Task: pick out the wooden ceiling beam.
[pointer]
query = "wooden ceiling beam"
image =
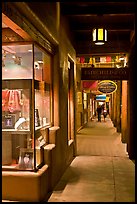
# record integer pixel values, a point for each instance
(108, 25)
(99, 9)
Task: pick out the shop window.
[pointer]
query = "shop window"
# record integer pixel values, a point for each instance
(26, 105)
(17, 62)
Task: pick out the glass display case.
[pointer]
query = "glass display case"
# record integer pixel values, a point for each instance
(26, 105)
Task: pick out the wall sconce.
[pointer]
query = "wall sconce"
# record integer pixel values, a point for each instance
(99, 36)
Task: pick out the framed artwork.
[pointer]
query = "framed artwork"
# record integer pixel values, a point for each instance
(26, 159)
(8, 121)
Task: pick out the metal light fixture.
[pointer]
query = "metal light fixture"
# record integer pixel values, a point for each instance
(99, 36)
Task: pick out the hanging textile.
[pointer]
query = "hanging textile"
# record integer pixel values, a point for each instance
(14, 101)
(90, 60)
(93, 60)
(103, 59)
(108, 59)
(82, 59)
(113, 58)
(117, 58)
(5, 99)
(97, 59)
(87, 59)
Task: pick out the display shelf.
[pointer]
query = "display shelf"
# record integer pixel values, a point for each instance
(13, 131)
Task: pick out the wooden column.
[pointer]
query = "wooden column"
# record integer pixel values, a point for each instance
(132, 123)
(124, 124)
(115, 110)
(118, 106)
(111, 107)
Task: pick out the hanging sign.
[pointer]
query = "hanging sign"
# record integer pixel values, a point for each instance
(104, 73)
(107, 86)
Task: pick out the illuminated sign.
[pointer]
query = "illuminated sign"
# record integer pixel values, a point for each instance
(101, 97)
(107, 86)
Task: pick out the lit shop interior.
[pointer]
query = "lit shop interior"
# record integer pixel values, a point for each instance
(25, 90)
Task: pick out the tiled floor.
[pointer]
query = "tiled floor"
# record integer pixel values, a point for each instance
(101, 172)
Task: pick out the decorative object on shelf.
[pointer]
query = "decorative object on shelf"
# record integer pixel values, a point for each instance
(44, 121)
(37, 119)
(19, 122)
(99, 36)
(17, 59)
(40, 141)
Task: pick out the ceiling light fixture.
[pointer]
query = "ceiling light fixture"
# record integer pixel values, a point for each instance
(99, 36)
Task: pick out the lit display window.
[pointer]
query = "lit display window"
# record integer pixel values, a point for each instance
(26, 105)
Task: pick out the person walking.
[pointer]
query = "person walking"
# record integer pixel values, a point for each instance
(99, 110)
(104, 114)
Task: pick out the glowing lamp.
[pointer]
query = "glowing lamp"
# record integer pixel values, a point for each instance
(99, 36)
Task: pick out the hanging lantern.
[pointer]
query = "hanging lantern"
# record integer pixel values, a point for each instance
(99, 36)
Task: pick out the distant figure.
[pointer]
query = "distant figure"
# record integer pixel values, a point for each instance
(105, 114)
(99, 110)
(107, 111)
(102, 107)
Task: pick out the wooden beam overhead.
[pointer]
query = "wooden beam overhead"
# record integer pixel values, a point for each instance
(117, 17)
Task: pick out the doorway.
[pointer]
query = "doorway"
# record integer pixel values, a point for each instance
(71, 101)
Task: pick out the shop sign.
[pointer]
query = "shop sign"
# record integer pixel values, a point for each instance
(104, 73)
(107, 87)
(101, 97)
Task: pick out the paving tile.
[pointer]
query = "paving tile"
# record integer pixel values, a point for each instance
(125, 193)
(85, 192)
(92, 169)
(124, 177)
(124, 164)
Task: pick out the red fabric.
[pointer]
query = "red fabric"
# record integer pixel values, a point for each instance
(108, 59)
(5, 99)
(82, 59)
(14, 101)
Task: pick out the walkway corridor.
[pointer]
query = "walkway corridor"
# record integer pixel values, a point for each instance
(101, 172)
